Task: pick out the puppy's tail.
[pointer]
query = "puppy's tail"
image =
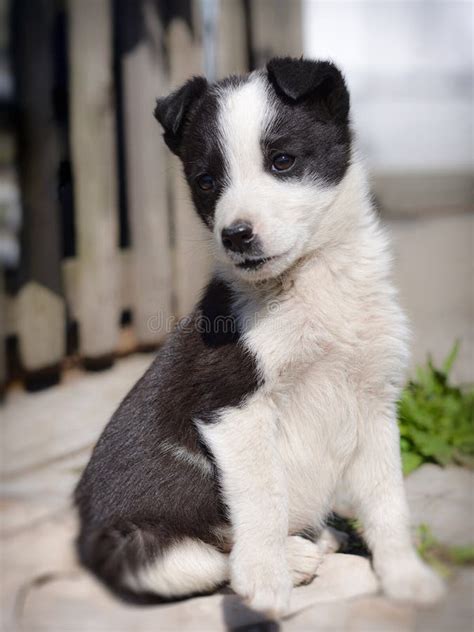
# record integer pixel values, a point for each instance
(135, 565)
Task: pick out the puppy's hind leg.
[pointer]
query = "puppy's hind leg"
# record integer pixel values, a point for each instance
(189, 567)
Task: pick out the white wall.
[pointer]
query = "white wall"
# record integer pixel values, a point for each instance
(409, 68)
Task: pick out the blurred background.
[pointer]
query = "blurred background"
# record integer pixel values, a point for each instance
(98, 246)
(101, 252)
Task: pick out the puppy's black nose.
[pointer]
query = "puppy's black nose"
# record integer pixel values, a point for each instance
(238, 236)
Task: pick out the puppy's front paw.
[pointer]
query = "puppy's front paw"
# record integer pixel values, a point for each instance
(304, 558)
(412, 580)
(265, 584)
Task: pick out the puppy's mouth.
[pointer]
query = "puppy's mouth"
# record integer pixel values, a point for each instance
(253, 263)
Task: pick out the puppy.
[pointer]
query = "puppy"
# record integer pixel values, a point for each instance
(280, 390)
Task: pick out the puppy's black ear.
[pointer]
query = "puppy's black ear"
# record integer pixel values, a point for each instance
(297, 80)
(171, 111)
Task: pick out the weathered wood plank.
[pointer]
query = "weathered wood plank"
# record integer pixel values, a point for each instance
(144, 79)
(231, 39)
(191, 253)
(95, 182)
(40, 306)
(70, 270)
(3, 332)
(276, 29)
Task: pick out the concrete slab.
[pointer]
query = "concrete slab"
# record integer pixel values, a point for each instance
(38, 428)
(50, 436)
(443, 498)
(434, 269)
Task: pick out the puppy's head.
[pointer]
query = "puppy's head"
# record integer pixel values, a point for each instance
(263, 155)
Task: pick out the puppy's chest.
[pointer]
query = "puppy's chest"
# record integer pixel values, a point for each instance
(317, 420)
(304, 351)
(316, 437)
(288, 336)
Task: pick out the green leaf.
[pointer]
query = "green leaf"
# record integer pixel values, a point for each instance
(462, 554)
(449, 361)
(438, 555)
(436, 418)
(410, 461)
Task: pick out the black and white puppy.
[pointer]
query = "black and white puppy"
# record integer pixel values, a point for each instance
(280, 391)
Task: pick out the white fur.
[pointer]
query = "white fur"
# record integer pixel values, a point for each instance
(283, 214)
(191, 566)
(331, 345)
(188, 567)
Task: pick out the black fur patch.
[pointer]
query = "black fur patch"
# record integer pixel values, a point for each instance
(189, 119)
(173, 111)
(312, 121)
(321, 82)
(202, 153)
(135, 499)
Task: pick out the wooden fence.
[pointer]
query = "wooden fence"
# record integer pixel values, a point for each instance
(108, 233)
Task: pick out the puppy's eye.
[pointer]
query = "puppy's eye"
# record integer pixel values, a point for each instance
(205, 182)
(282, 162)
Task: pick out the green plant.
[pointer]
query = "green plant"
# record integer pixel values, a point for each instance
(436, 418)
(440, 556)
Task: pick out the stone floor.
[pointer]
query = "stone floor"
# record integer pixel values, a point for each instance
(47, 438)
(434, 271)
